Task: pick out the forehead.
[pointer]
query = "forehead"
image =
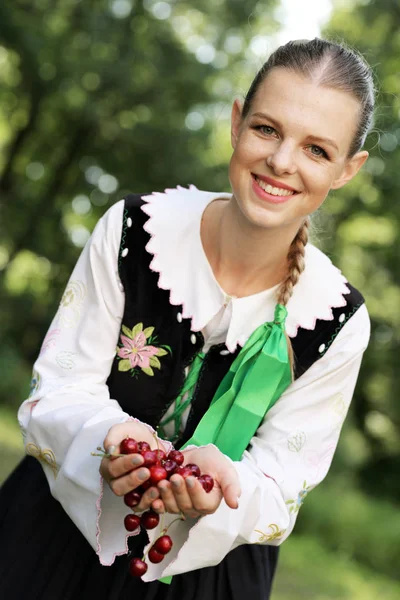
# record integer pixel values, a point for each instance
(305, 108)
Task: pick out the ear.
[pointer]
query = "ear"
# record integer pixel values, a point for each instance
(236, 121)
(351, 168)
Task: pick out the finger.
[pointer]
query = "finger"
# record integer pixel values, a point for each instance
(111, 469)
(203, 503)
(158, 506)
(168, 498)
(230, 488)
(148, 498)
(181, 495)
(122, 485)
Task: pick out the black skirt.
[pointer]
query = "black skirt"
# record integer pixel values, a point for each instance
(45, 557)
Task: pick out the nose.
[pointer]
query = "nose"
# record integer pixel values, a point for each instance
(282, 159)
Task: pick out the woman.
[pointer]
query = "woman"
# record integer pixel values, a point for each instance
(205, 286)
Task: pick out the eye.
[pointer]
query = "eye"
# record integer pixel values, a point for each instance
(265, 129)
(318, 151)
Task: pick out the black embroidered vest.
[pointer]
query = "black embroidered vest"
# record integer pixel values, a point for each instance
(165, 345)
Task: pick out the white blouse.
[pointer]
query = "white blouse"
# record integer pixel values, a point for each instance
(69, 411)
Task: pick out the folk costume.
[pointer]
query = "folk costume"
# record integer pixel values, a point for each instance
(141, 314)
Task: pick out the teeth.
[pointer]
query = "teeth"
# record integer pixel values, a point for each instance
(273, 190)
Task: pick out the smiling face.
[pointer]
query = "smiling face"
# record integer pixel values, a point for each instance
(291, 149)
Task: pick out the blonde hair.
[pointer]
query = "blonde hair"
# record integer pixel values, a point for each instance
(296, 265)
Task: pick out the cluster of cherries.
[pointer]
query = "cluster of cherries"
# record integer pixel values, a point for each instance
(161, 466)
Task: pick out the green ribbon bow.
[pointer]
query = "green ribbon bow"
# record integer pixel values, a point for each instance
(255, 381)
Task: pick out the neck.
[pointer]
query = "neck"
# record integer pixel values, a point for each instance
(245, 258)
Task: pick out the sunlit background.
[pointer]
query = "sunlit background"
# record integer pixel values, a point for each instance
(101, 98)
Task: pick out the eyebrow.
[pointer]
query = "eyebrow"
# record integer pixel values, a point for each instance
(310, 137)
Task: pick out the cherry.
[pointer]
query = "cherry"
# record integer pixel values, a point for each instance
(176, 456)
(157, 473)
(194, 469)
(150, 458)
(132, 498)
(128, 446)
(170, 466)
(149, 519)
(184, 472)
(137, 567)
(143, 446)
(163, 545)
(207, 482)
(154, 556)
(132, 522)
(160, 455)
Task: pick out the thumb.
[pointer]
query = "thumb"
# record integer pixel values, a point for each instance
(230, 487)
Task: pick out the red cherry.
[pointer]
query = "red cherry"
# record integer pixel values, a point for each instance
(160, 455)
(132, 498)
(143, 446)
(163, 545)
(154, 556)
(150, 458)
(128, 446)
(207, 482)
(157, 473)
(137, 567)
(132, 522)
(149, 519)
(194, 469)
(170, 466)
(184, 472)
(176, 456)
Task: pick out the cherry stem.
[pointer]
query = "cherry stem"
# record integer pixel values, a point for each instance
(106, 455)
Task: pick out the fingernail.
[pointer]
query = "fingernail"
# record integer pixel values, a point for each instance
(110, 449)
(137, 460)
(143, 474)
(175, 482)
(190, 482)
(153, 494)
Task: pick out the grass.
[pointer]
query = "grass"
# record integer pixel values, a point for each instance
(308, 570)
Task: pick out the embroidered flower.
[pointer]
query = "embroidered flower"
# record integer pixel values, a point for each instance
(138, 350)
(295, 505)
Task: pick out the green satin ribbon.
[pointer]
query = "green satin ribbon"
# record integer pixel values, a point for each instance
(255, 381)
(181, 404)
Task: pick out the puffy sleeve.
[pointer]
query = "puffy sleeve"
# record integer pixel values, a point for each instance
(288, 457)
(69, 411)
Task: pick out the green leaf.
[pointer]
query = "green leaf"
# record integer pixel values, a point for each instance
(137, 329)
(161, 352)
(154, 362)
(148, 371)
(124, 365)
(148, 331)
(127, 331)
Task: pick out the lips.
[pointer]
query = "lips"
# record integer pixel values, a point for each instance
(274, 183)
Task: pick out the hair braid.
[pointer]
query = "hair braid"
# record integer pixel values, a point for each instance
(296, 265)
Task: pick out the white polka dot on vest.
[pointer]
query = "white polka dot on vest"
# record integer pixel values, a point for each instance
(321, 348)
(193, 338)
(124, 252)
(179, 317)
(342, 318)
(129, 222)
(224, 352)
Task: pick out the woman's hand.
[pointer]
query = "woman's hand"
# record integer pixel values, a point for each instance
(187, 496)
(123, 473)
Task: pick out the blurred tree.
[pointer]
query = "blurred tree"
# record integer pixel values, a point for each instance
(361, 224)
(98, 98)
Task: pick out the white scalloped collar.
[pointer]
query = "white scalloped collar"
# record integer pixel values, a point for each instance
(180, 260)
